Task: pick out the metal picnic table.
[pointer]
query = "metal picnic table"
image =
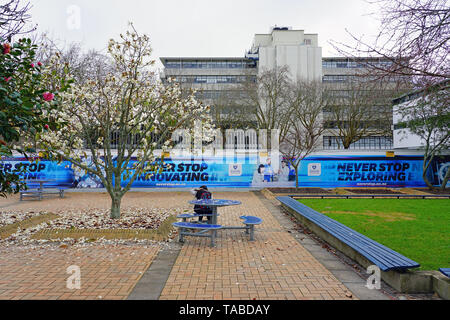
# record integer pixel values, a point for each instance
(39, 190)
(212, 226)
(214, 204)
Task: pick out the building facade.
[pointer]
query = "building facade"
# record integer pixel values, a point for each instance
(220, 79)
(436, 99)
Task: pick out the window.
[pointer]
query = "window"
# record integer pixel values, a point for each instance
(367, 143)
(214, 79)
(353, 64)
(199, 64)
(335, 78)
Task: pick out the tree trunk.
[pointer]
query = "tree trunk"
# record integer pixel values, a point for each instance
(115, 206)
(426, 164)
(446, 178)
(296, 178)
(424, 177)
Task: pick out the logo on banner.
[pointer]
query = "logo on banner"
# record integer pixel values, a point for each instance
(314, 169)
(235, 170)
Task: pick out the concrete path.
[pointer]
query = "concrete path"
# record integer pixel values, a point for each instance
(277, 265)
(282, 262)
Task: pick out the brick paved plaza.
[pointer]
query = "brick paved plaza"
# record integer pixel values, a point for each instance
(274, 266)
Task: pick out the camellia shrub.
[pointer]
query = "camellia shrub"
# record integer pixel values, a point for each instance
(26, 97)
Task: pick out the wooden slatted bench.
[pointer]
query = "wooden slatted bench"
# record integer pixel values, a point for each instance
(203, 227)
(250, 222)
(59, 190)
(445, 271)
(32, 193)
(385, 258)
(38, 193)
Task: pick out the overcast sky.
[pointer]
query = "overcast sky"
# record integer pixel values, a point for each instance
(206, 28)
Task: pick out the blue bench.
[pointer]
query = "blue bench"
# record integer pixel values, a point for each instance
(250, 223)
(185, 216)
(385, 258)
(445, 271)
(197, 226)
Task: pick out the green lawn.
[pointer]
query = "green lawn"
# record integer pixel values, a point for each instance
(418, 229)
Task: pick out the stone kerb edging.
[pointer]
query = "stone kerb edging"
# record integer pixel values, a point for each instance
(10, 229)
(159, 234)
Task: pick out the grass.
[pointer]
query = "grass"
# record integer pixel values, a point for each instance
(419, 229)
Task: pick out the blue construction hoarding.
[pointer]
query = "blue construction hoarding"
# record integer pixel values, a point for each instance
(315, 171)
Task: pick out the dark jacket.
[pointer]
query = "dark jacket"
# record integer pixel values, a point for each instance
(199, 208)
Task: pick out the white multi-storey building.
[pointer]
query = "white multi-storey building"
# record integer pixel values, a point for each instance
(403, 137)
(292, 48)
(220, 78)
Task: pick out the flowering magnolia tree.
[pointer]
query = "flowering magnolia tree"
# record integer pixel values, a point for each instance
(26, 98)
(119, 120)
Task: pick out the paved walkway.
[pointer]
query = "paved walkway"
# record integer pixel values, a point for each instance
(280, 264)
(107, 272)
(274, 266)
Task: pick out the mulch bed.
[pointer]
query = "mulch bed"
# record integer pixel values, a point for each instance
(372, 191)
(299, 190)
(434, 191)
(88, 225)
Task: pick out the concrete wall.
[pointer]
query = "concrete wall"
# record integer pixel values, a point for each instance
(288, 48)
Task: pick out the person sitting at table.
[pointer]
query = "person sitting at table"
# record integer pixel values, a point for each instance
(202, 193)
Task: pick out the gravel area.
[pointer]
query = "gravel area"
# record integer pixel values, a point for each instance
(11, 217)
(91, 211)
(131, 218)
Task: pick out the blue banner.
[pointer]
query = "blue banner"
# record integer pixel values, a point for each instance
(36, 169)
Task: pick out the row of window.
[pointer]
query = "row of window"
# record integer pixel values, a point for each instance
(368, 143)
(214, 79)
(347, 78)
(221, 94)
(372, 124)
(252, 64)
(354, 64)
(329, 142)
(210, 64)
